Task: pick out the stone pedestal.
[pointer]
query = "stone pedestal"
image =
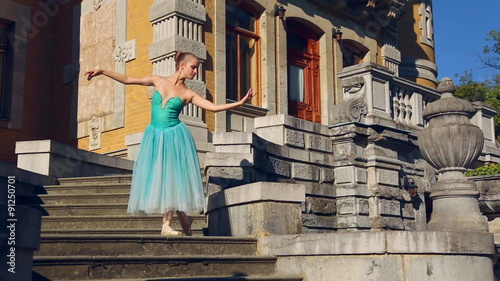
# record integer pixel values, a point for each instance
(450, 144)
(256, 209)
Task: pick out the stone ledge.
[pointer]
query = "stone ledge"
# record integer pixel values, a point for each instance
(174, 43)
(257, 192)
(292, 122)
(50, 158)
(384, 242)
(186, 8)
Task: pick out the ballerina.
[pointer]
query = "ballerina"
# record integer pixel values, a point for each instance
(167, 175)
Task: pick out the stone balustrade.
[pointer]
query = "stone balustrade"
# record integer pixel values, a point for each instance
(375, 95)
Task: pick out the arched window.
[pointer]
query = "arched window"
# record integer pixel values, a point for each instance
(303, 72)
(243, 52)
(352, 52)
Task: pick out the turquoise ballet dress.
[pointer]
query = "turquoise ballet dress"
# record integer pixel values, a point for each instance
(167, 172)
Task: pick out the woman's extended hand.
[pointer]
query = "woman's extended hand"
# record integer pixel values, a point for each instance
(250, 94)
(93, 73)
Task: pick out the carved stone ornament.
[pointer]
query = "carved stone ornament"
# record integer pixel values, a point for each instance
(95, 133)
(98, 4)
(354, 107)
(125, 52)
(450, 144)
(353, 85)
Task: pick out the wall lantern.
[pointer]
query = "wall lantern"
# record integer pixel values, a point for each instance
(338, 34)
(280, 12)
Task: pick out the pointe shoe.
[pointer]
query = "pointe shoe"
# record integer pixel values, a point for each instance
(186, 226)
(168, 231)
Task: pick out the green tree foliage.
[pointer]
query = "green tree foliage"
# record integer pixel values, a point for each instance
(488, 169)
(487, 91)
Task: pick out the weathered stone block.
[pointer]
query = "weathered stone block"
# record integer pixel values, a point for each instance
(173, 43)
(389, 207)
(235, 122)
(387, 177)
(346, 205)
(318, 205)
(321, 189)
(187, 8)
(353, 222)
(318, 221)
(409, 224)
(226, 177)
(344, 175)
(320, 143)
(363, 206)
(388, 223)
(279, 166)
(352, 205)
(305, 172)
(352, 190)
(294, 138)
(350, 175)
(256, 209)
(345, 149)
(408, 211)
(326, 175)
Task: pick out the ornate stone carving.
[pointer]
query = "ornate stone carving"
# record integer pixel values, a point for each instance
(98, 4)
(353, 108)
(395, 9)
(450, 144)
(125, 52)
(95, 133)
(353, 85)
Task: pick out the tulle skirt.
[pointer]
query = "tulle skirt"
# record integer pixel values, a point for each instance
(166, 173)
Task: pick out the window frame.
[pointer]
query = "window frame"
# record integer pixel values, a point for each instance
(246, 34)
(309, 59)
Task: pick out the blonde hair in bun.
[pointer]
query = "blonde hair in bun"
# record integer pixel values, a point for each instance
(182, 56)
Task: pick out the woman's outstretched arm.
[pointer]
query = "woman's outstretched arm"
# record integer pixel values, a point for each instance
(208, 105)
(124, 79)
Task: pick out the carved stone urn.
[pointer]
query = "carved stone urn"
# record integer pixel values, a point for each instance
(450, 143)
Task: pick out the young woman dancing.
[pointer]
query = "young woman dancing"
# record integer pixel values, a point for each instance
(166, 176)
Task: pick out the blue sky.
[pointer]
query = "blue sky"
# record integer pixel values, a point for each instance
(460, 29)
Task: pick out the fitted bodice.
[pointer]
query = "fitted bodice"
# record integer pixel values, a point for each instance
(168, 116)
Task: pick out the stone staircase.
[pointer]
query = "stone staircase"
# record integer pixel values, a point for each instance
(87, 235)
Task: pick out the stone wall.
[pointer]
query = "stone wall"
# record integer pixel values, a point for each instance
(383, 255)
(355, 176)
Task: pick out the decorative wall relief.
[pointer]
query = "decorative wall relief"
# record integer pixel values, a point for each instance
(125, 52)
(353, 108)
(98, 4)
(95, 130)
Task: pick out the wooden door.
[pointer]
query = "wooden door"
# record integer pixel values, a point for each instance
(304, 100)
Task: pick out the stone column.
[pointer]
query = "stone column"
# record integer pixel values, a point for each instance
(450, 143)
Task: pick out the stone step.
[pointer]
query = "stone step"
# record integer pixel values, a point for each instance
(98, 180)
(125, 179)
(220, 278)
(121, 267)
(148, 245)
(120, 231)
(103, 198)
(87, 189)
(113, 222)
(85, 209)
